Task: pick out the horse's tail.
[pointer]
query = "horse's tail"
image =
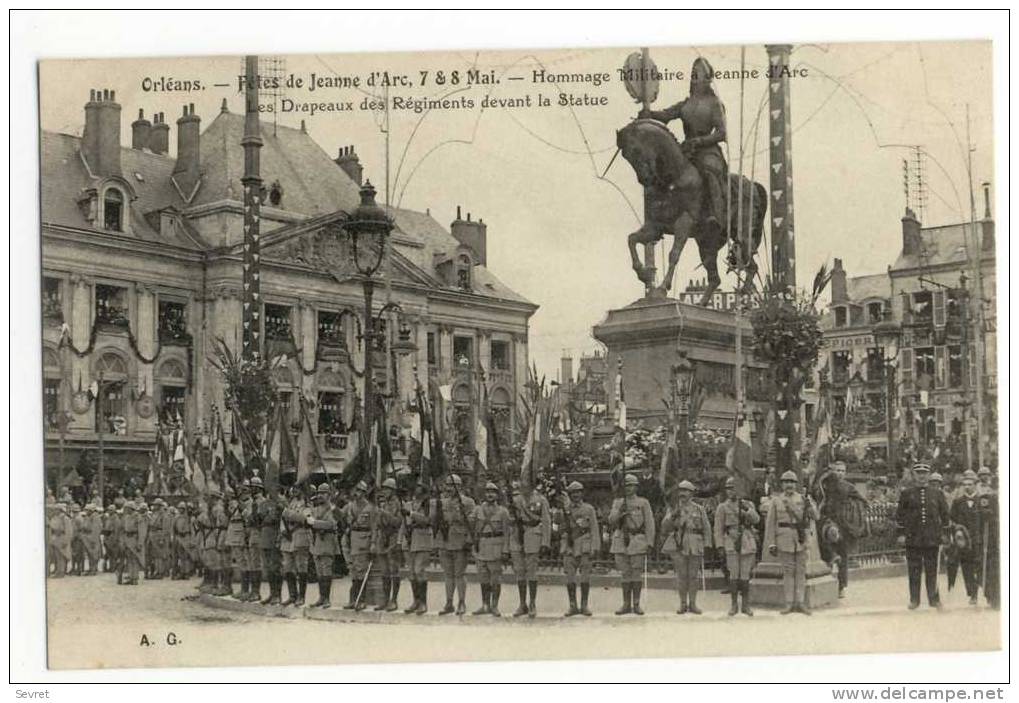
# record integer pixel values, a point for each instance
(760, 210)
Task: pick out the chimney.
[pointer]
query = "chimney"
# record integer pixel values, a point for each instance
(839, 289)
(140, 131)
(472, 234)
(101, 139)
(566, 372)
(987, 224)
(159, 136)
(351, 165)
(188, 168)
(911, 241)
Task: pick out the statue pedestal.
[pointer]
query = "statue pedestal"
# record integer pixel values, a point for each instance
(766, 587)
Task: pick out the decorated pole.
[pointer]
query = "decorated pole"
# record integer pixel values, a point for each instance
(252, 180)
(783, 242)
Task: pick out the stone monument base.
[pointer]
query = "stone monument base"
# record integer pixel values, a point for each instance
(766, 587)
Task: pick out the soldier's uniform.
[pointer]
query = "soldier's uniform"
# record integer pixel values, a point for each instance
(222, 522)
(789, 522)
(77, 547)
(984, 481)
(324, 546)
(270, 515)
(111, 547)
(359, 516)
(531, 532)
(580, 542)
(922, 517)
(295, 545)
(91, 537)
(454, 532)
(687, 532)
(491, 524)
(182, 536)
(251, 513)
(389, 558)
(160, 527)
(237, 542)
(633, 534)
(61, 530)
(142, 511)
(965, 511)
(131, 543)
(735, 532)
(419, 546)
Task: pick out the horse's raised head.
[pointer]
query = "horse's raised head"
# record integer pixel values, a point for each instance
(638, 150)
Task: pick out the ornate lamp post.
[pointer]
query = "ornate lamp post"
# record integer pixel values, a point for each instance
(887, 335)
(681, 382)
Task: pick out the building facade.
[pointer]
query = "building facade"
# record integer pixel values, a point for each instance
(141, 259)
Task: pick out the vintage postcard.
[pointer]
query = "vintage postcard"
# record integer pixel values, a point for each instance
(650, 351)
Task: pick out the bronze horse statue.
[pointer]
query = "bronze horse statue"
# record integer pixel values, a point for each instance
(675, 203)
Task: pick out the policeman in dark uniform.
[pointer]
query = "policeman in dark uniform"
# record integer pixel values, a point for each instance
(922, 517)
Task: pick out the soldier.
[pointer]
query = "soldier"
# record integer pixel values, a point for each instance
(965, 511)
(182, 537)
(92, 529)
(270, 517)
(531, 527)
(453, 528)
(984, 481)
(418, 515)
(922, 517)
(61, 530)
(686, 532)
(990, 567)
(580, 544)
(359, 516)
(142, 512)
(253, 530)
(389, 558)
(77, 548)
(160, 526)
(735, 532)
(110, 546)
(236, 542)
(131, 536)
(789, 520)
(324, 546)
(633, 534)
(221, 521)
(295, 545)
(492, 528)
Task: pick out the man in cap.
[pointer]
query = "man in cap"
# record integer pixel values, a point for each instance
(789, 522)
(686, 531)
(250, 512)
(454, 530)
(270, 516)
(295, 545)
(579, 545)
(324, 546)
(110, 536)
(160, 527)
(965, 511)
(491, 526)
(922, 517)
(182, 536)
(359, 517)
(984, 481)
(633, 534)
(77, 547)
(387, 540)
(418, 515)
(735, 532)
(61, 530)
(531, 527)
(131, 537)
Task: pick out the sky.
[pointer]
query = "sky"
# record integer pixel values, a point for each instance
(557, 229)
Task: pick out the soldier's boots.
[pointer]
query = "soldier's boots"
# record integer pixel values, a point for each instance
(734, 607)
(493, 600)
(415, 589)
(387, 584)
(275, 588)
(636, 599)
(788, 609)
(461, 607)
(745, 592)
(255, 594)
(627, 606)
(394, 593)
(226, 585)
(325, 589)
(423, 607)
(532, 608)
(683, 607)
(693, 604)
(245, 587)
(585, 590)
(571, 594)
(352, 597)
(302, 590)
(485, 594)
(291, 579)
(802, 608)
(522, 592)
(448, 608)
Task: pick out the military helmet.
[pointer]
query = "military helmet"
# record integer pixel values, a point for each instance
(491, 486)
(984, 471)
(214, 493)
(575, 486)
(686, 486)
(455, 480)
(389, 483)
(159, 501)
(937, 478)
(323, 488)
(730, 482)
(361, 486)
(62, 507)
(969, 475)
(75, 508)
(790, 476)
(255, 482)
(129, 505)
(631, 480)
(921, 466)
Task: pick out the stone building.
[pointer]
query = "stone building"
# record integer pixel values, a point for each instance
(141, 272)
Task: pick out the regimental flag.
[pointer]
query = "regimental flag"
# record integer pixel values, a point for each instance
(481, 441)
(193, 470)
(620, 399)
(821, 451)
(739, 459)
(527, 465)
(280, 457)
(152, 480)
(309, 457)
(669, 451)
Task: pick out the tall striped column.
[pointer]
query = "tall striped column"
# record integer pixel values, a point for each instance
(252, 181)
(783, 242)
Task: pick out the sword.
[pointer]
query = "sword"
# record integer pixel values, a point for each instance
(364, 582)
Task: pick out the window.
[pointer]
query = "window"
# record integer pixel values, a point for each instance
(433, 349)
(111, 305)
(111, 402)
(286, 405)
(955, 366)
(52, 301)
(379, 335)
(174, 404)
(463, 352)
(953, 305)
(840, 363)
(277, 323)
(330, 420)
(841, 316)
(875, 313)
(463, 272)
(923, 307)
(500, 355)
(330, 329)
(875, 364)
(51, 402)
(838, 404)
(113, 210)
(923, 365)
(501, 410)
(172, 321)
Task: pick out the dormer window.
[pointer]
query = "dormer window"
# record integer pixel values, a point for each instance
(841, 316)
(113, 210)
(874, 313)
(463, 272)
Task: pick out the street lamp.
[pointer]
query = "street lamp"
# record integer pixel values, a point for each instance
(681, 376)
(887, 335)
